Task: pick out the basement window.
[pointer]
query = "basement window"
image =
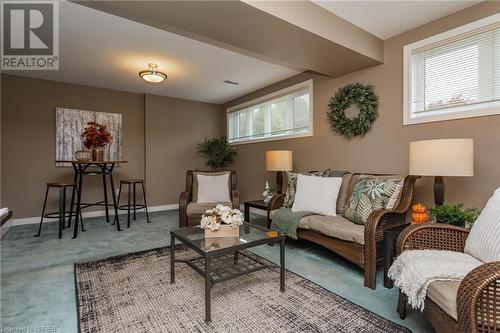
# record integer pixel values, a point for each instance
(284, 114)
(453, 75)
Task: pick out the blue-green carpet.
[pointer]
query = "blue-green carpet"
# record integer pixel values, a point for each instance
(37, 281)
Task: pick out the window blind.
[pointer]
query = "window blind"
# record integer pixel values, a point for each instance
(463, 70)
(282, 114)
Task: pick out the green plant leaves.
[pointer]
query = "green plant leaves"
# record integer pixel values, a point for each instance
(217, 151)
(454, 214)
(353, 93)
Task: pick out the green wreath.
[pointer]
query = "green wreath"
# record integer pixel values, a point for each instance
(353, 93)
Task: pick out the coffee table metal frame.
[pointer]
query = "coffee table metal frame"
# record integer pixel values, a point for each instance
(226, 263)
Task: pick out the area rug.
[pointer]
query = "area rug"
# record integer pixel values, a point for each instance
(132, 293)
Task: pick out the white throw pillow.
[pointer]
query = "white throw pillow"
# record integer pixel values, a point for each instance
(484, 238)
(213, 189)
(317, 194)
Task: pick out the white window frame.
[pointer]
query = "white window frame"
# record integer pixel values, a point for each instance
(307, 85)
(450, 113)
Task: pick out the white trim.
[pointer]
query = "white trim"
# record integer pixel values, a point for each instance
(5, 228)
(305, 84)
(466, 111)
(36, 219)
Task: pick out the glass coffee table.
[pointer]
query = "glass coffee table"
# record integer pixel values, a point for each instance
(221, 259)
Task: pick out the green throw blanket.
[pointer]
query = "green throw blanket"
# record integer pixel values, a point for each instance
(287, 222)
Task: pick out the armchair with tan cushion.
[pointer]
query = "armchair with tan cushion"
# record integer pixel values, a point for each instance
(193, 203)
(470, 305)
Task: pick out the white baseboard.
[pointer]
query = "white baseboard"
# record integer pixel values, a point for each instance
(5, 227)
(97, 213)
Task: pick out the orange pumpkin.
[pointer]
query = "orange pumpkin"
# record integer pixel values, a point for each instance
(420, 217)
(419, 208)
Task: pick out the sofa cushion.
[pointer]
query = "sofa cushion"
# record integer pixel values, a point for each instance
(317, 194)
(369, 195)
(484, 238)
(444, 294)
(194, 189)
(343, 196)
(334, 226)
(195, 208)
(213, 188)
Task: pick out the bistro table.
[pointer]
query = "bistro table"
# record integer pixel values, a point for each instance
(82, 169)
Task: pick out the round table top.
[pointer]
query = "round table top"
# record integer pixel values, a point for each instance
(91, 162)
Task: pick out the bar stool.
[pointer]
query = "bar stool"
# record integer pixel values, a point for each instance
(132, 191)
(61, 213)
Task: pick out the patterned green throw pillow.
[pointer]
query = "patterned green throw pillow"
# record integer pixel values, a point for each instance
(369, 195)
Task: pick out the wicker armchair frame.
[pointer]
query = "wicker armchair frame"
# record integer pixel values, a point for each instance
(478, 298)
(185, 198)
(364, 256)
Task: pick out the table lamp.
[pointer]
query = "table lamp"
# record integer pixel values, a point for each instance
(443, 157)
(279, 161)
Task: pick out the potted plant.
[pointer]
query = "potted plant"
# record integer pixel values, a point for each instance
(454, 214)
(95, 137)
(218, 152)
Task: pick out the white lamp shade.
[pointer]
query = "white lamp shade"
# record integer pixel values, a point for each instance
(279, 160)
(444, 157)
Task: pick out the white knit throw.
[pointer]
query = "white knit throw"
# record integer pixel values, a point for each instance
(414, 270)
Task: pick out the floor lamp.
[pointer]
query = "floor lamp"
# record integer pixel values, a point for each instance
(279, 161)
(439, 158)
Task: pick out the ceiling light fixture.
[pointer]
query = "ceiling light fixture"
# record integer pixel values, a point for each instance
(152, 74)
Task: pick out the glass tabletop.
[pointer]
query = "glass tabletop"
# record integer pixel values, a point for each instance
(250, 235)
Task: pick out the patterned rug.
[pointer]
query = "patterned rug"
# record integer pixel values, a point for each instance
(132, 293)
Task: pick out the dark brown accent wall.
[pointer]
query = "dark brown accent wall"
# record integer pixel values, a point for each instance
(385, 147)
(28, 139)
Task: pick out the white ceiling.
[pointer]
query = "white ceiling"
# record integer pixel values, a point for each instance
(102, 50)
(386, 19)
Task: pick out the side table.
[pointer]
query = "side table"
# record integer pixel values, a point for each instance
(390, 238)
(258, 204)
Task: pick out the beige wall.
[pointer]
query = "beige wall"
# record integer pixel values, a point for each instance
(28, 139)
(385, 147)
(173, 127)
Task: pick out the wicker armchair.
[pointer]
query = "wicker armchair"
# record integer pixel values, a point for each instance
(478, 297)
(365, 256)
(189, 214)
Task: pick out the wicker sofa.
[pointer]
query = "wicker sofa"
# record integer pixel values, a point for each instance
(360, 244)
(190, 211)
(472, 305)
